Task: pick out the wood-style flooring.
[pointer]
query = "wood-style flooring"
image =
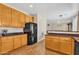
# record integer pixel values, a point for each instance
(36, 49)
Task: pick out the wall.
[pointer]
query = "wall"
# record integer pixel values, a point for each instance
(78, 22)
(62, 26)
(74, 23)
(41, 21)
(11, 30)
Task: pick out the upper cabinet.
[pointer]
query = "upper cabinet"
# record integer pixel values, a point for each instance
(10, 17)
(15, 18)
(31, 18)
(0, 13)
(5, 15)
(27, 19)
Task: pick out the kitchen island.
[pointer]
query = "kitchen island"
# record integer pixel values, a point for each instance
(62, 42)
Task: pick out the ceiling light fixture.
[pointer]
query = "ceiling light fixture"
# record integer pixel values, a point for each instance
(60, 15)
(30, 6)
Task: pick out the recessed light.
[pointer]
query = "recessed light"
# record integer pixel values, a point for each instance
(30, 6)
(60, 15)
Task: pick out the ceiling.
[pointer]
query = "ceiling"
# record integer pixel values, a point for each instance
(54, 11)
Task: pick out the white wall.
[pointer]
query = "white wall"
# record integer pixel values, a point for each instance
(11, 30)
(62, 26)
(74, 23)
(41, 21)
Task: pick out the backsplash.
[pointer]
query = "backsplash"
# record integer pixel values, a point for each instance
(11, 30)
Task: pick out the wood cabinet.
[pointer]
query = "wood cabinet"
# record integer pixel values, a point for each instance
(52, 43)
(66, 45)
(6, 44)
(30, 19)
(24, 40)
(10, 17)
(60, 43)
(20, 40)
(5, 16)
(17, 41)
(22, 17)
(14, 18)
(0, 14)
(27, 19)
(18, 19)
(9, 43)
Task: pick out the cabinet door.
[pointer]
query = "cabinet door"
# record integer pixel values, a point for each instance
(30, 19)
(27, 19)
(52, 42)
(48, 43)
(14, 18)
(6, 16)
(22, 17)
(24, 40)
(0, 45)
(21, 20)
(7, 44)
(66, 45)
(17, 41)
(0, 14)
(56, 43)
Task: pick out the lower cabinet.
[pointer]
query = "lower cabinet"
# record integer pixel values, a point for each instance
(9, 43)
(24, 40)
(52, 43)
(17, 42)
(61, 44)
(6, 44)
(66, 45)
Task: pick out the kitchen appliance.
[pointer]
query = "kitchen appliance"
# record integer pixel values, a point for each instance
(76, 48)
(4, 32)
(31, 30)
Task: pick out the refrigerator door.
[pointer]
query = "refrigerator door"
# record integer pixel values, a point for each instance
(31, 30)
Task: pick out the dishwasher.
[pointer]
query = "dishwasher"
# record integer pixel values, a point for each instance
(76, 47)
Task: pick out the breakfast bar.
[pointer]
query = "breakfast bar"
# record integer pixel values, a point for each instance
(63, 42)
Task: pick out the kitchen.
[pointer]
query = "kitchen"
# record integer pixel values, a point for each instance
(15, 29)
(39, 29)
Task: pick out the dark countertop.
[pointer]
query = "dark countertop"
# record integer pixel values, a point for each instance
(12, 34)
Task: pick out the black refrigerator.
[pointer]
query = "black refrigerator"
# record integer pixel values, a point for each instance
(31, 30)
